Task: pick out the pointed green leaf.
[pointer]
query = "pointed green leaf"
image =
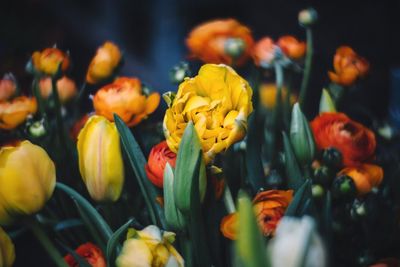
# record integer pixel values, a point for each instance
(293, 173)
(299, 202)
(326, 103)
(114, 240)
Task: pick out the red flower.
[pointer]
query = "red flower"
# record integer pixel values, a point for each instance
(90, 253)
(355, 141)
(292, 47)
(159, 156)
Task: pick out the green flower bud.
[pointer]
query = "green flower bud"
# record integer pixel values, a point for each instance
(326, 103)
(234, 47)
(308, 17)
(37, 129)
(317, 191)
(332, 158)
(344, 187)
(178, 73)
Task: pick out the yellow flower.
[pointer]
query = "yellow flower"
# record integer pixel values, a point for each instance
(268, 95)
(100, 159)
(49, 60)
(102, 66)
(27, 180)
(150, 247)
(218, 102)
(7, 250)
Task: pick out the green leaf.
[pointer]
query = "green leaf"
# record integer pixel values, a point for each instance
(293, 173)
(138, 161)
(250, 246)
(113, 241)
(299, 202)
(326, 103)
(66, 224)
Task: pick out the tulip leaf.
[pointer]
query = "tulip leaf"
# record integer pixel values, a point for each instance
(326, 103)
(299, 202)
(114, 239)
(67, 224)
(138, 161)
(293, 173)
(250, 245)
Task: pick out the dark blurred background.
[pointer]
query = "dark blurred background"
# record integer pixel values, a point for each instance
(152, 34)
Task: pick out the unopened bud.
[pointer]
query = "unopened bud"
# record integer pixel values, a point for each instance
(317, 191)
(332, 158)
(234, 47)
(37, 129)
(308, 17)
(343, 187)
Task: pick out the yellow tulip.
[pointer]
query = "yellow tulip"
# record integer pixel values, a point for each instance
(218, 102)
(27, 180)
(7, 250)
(149, 248)
(100, 159)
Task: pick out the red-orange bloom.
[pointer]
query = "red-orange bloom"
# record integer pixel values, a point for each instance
(160, 154)
(365, 177)
(355, 141)
(66, 88)
(49, 60)
(207, 41)
(89, 252)
(291, 47)
(264, 52)
(124, 97)
(348, 66)
(15, 112)
(388, 262)
(269, 207)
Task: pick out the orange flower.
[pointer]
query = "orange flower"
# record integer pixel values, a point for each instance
(348, 66)
(102, 66)
(264, 52)
(355, 141)
(160, 154)
(15, 112)
(91, 253)
(365, 177)
(268, 95)
(388, 262)
(207, 41)
(291, 47)
(7, 87)
(269, 208)
(65, 86)
(124, 97)
(49, 59)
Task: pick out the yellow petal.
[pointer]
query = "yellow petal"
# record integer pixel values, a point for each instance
(135, 253)
(7, 250)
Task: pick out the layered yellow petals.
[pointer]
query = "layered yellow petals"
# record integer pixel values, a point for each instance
(15, 112)
(103, 64)
(218, 102)
(100, 159)
(27, 180)
(7, 250)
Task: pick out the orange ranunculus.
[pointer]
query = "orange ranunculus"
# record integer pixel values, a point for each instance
(49, 59)
(365, 177)
(15, 112)
(89, 252)
(269, 207)
(291, 47)
(65, 86)
(160, 154)
(125, 98)
(264, 52)
(268, 95)
(8, 87)
(207, 41)
(355, 141)
(348, 66)
(103, 65)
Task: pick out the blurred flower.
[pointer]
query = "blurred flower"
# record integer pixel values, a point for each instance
(344, 187)
(100, 159)
(49, 60)
(124, 97)
(160, 154)
(291, 47)
(7, 250)
(264, 52)
(348, 66)
(307, 17)
(297, 243)
(102, 66)
(178, 73)
(269, 207)
(388, 262)
(149, 247)
(78, 125)
(218, 102)
(65, 86)
(37, 129)
(15, 112)
(8, 87)
(365, 177)
(268, 94)
(218, 42)
(355, 142)
(89, 252)
(24, 190)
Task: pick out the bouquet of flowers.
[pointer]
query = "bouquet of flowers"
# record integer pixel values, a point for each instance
(241, 171)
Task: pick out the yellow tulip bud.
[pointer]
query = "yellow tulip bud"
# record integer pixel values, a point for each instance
(27, 180)
(149, 247)
(7, 250)
(100, 159)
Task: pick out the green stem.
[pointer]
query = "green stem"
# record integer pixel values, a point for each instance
(59, 120)
(228, 200)
(43, 238)
(38, 96)
(276, 119)
(307, 67)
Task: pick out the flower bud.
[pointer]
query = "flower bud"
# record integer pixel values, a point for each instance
(326, 103)
(37, 129)
(7, 250)
(234, 47)
(66, 88)
(323, 175)
(178, 73)
(50, 61)
(27, 180)
(308, 17)
(332, 158)
(317, 191)
(358, 209)
(100, 159)
(343, 187)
